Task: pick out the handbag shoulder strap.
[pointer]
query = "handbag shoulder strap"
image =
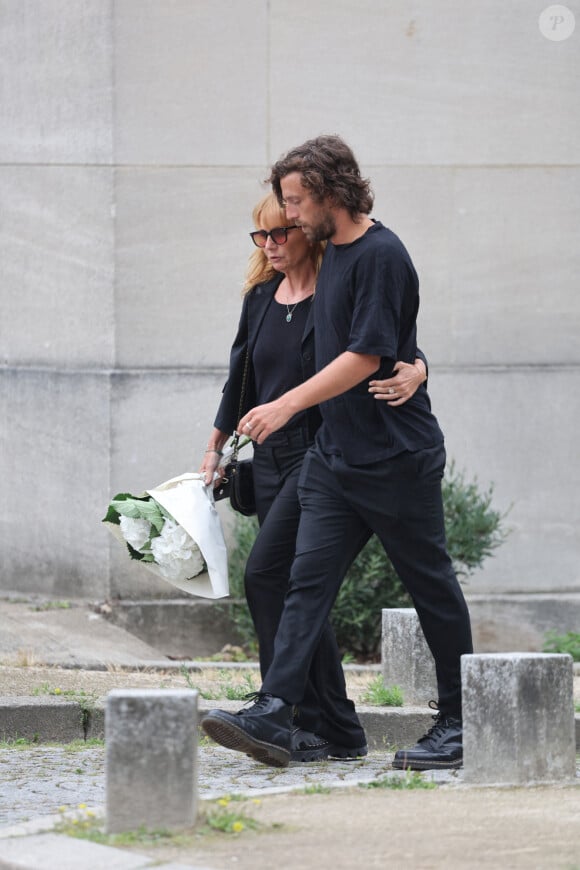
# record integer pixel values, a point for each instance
(244, 384)
(236, 438)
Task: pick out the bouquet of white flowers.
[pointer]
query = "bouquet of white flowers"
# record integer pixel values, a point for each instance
(175, 531)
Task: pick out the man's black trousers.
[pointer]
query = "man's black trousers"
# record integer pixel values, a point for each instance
(398, 499)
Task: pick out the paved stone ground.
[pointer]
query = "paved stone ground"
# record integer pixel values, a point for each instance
(454, 827)
(39, 781)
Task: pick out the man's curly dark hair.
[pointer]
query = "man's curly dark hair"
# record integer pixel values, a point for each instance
(328, 169)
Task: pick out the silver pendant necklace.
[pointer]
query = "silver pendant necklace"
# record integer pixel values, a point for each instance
(290, 311)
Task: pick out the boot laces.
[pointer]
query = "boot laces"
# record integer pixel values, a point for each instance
(441, 722)
(254, 700)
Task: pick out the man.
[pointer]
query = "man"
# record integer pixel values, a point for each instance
(373, 466)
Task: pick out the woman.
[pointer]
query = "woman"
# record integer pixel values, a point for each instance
(276, 333)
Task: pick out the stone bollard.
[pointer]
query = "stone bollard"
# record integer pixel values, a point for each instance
(406, 659)
(518, 718)
(151, 749)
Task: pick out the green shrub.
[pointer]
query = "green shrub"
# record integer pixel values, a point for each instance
(563, 643)
(474, 529)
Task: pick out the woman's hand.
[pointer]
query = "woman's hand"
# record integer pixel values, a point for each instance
(262, 420)
(210, 464)
(405, 382)
(212, 458)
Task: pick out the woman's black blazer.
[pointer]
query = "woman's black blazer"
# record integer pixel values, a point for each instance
(254, 307)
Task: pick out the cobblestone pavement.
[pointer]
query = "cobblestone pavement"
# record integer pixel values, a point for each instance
(39, 781)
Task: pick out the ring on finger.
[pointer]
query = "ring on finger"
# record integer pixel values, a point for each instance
(391, 391)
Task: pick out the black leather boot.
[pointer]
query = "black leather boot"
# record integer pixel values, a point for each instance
(262, 730)
(308, 746)
(347, 753)
(440, 748)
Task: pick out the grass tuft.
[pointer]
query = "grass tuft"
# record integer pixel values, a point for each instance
(19, 742)
(379, 695)
(220, 816)
(316, 789)
(412, 779)
(225, 688)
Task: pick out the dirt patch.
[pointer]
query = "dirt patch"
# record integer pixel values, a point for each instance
(448, 827)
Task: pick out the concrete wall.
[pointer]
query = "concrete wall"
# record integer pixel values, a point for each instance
(134, 136)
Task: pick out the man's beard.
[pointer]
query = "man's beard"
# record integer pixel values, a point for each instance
(322, 231)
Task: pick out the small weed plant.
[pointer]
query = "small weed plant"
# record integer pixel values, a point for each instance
(379, 695)
(228, 815)
(186, 674)
(239, 692)
(19, 742)
(222, 816)
(316, 788)
(26, 658)
(83, 745)
(84, 824)
(225, 688)
(53, 605)
(410, 780)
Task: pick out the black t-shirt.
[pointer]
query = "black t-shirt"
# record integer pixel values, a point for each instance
(367, 299)
(277, 356)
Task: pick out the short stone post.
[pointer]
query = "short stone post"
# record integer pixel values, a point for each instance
(518, 718)
(151, 751)
(406, 659)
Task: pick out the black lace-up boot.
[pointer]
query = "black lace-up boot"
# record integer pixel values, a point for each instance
(262, 730)
(440, 748)
(308, 746)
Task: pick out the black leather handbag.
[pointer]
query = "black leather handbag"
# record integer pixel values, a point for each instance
(241, 485)
(238, 484)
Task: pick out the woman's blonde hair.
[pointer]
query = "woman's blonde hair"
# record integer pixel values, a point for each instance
(269, 212)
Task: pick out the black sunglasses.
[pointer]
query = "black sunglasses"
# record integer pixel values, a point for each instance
(279, 236)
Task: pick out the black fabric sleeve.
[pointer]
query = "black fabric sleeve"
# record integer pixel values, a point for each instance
(227, 414)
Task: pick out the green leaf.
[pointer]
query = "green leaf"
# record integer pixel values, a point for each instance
(138, 555)
(139, 509)
(135, 554)
(112, 515)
